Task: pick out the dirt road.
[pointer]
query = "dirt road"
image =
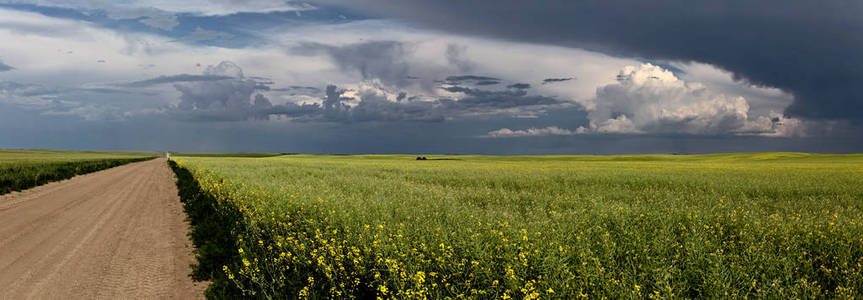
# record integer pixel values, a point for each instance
(118, 234)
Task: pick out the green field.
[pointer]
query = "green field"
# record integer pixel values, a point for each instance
(22, 169)
(765, 225)
(224, 154)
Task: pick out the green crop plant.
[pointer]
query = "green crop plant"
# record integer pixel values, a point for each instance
(764, 225)
(22, 169)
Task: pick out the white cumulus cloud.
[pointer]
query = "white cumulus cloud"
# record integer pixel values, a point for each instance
(648, 99)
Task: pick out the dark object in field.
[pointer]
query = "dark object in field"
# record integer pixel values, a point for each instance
(425, 158)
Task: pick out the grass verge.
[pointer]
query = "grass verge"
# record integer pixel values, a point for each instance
(214, 225)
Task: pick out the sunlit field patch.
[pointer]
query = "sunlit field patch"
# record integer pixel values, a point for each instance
(773, 225)
(22, 169)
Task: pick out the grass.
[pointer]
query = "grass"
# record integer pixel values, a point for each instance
(224, 154)
(23, 169)
(764, 225)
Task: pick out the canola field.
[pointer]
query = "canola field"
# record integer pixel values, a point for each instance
(23, 169)
(764, 225)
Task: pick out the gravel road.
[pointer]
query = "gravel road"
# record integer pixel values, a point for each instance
(118, 234)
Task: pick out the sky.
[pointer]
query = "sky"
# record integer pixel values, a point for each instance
(432, 77)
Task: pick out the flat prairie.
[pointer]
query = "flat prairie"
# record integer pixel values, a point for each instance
(764, 225)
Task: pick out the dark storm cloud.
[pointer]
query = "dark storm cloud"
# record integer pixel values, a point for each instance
(487, 82)
(520, 86)
(222, 93)
(5, 67)
(384, 60)
(235, 97)
(554, 80)
(224, 101)
(371, 105)
(376, 107)
(298, 90)
(174, 79)
(472, 79)
(485, 99)
(34, 90)
(392, 63)
(480, 93)
(475, 80)
(160, 133)
(455, 55)
(809, 48)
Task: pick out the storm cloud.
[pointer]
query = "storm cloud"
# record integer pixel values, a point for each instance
(5, 67)
(809, 48)
(648, 99)
(174, 79)
(555, 80)
(455, 55)
(433, 76)
(227, 95)
(397, 64)
(373, 104)
(384, 60)
(471, 79)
